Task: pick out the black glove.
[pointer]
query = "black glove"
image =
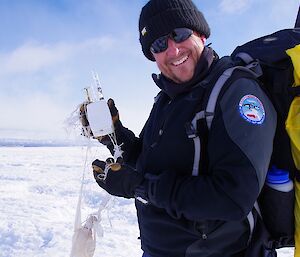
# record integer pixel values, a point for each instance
(113, 110)
(86, 130)
(115, 178)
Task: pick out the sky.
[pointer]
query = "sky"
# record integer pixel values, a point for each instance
(48, 50)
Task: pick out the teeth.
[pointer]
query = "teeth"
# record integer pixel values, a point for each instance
(180, 61)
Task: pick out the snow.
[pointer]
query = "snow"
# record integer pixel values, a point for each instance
(39, 188)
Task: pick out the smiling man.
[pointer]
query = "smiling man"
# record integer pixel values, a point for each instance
(194, 188)
(181, 56)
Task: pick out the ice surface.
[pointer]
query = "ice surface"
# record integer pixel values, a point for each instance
(39, 188)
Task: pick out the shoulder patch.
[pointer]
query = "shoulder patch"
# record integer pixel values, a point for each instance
(252, 110)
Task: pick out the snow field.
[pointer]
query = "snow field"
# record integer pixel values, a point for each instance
(39, 188)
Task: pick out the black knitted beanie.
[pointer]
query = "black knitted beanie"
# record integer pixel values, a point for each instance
(160, 17)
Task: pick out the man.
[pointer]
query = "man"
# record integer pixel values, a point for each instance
(191, 204)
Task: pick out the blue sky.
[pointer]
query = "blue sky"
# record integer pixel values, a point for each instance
(49, 48)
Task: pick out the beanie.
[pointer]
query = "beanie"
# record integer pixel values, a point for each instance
(160, 17)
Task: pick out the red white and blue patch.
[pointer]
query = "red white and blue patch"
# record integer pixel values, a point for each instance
(252, 109)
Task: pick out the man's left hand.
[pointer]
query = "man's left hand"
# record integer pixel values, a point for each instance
(117, 179)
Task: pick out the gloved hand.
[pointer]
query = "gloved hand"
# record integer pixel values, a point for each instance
(113, 110)
(86, 130)
(116, 178)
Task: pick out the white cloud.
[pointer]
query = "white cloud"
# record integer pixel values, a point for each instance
(284, 13)
(37, 112)
(234, 6)
(34, 56)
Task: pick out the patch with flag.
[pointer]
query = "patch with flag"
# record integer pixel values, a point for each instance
(252, 109)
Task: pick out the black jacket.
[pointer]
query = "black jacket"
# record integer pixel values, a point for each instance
(204, 215)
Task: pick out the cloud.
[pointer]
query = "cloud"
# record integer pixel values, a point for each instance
(33, 112)
(33, 56)
(284, 13)
(234, 6)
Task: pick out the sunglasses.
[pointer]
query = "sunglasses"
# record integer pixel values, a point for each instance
(177, 35)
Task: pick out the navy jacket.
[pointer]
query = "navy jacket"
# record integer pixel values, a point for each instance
(204, 215)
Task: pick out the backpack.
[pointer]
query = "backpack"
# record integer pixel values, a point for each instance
(277, 70)
(280, 84)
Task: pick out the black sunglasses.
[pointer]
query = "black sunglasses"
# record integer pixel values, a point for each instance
(178, 35)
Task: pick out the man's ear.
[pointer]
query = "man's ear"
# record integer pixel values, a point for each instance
(203, 39)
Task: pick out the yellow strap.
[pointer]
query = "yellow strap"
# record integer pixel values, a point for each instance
(292, 125)
(293, 119)
(293, 129)
(294, 53)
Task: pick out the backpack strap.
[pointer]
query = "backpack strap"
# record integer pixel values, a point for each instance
(246, 58)
(251, 221)
(253, 68)
(208, 114)
(197, 142)
(192, 127)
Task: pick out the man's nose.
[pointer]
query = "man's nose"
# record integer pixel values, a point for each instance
(173, 48)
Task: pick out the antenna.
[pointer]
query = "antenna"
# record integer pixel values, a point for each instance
(97, 85)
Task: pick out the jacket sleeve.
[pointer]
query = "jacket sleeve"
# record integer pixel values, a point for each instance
(239, 151)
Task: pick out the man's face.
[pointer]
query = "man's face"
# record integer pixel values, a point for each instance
(179, 60)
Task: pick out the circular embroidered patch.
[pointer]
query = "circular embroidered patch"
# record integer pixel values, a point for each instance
(252, 109)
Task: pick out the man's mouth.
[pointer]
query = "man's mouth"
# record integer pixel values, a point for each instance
(181, 61)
